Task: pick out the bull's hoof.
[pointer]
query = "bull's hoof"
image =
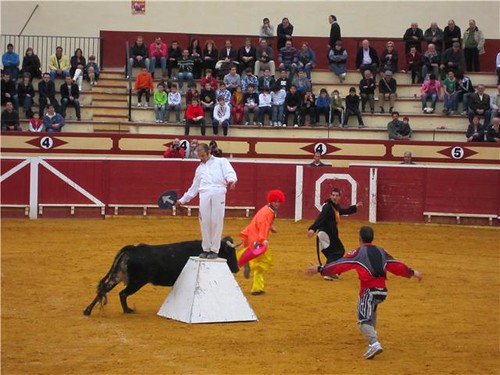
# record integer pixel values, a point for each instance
(128, 310)
(87, 312)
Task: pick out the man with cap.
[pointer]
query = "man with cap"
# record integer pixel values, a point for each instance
(387, 91)
(256, 234)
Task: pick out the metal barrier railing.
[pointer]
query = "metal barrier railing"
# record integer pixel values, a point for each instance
(45, 46)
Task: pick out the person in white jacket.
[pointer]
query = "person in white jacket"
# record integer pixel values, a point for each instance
(211, 180)
(222, 112)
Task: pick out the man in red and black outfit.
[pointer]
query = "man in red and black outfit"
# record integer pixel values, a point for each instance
(371, 263)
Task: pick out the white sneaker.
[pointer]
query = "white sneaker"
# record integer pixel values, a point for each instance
(139, 104)
(260, 123)
(275, 124)
(247, 123)
(157, 121)
(146, 105)
(295, 125)
(255, 123)
(279, 123)
(373, 350)
(283, 125)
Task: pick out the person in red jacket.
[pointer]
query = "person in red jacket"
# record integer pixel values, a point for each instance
(175, 150)
(194, 116)
(371, 263)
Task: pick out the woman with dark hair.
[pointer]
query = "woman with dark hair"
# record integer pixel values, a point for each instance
(31, 64)
(77, 59)
(195, 53)
(210, 55)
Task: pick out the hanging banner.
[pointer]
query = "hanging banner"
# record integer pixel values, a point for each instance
(138, 6)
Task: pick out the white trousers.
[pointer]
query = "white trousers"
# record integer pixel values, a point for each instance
(211, 216)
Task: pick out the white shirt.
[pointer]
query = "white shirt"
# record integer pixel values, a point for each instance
(215, 173)
(174, 99)
(367, 60)
(226, 112)
(278, 97)
(264, 100)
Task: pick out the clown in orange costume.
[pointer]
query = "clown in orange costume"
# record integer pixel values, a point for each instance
(258, 232)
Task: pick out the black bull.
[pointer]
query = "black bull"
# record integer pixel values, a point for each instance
(161, 265)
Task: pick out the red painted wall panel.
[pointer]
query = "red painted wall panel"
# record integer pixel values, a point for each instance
(15, 189)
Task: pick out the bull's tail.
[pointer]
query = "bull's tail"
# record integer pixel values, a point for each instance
(116, 274)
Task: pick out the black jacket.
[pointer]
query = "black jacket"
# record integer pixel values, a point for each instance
(47, 90)
(75, 92)
(373, 55)
(334, 34)
(23, 90)
(31, 65)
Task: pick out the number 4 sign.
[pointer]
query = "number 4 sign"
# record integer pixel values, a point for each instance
(46, 143)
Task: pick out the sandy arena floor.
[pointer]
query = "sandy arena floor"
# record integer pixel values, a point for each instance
(447, 324)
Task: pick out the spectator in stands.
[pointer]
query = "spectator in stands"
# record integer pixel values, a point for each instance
(76, 60)
(278, 97)
(308, 108)
(160, 103)
(434, 35)
(143, 85)
(266, 81)
(246, 56)
(10, 62)
(185, 67)
(52, 121)
(414, 60)
(387, 88)
(302, 83)
(306, 59)
(26, 94)
(317, 160)
(174, 53)
(175, 151)
(192, 150)
(451, 34)
(36, 124)
(251, 105)
(194, 116)
(367, 58)
(138, 57)
(47, 93)
(336, 108)
(228, 57)
(158, 56)
(249, 79)
(493, 133)
(450, 97)
(495, 103)
(265, 106)
(192, 93)
(210, 56)
(323, 106)
(232, 79)
(166, 83)
(10, 118)
(352, 108)
(59, 64)
(174, 104)
(475, 131)
(480, 105)
(209, 78)
(431, 89)
(389, 58)
(70, 95)
(398, 130)
(196, 53)
(284, 32)
(288, 58)
(214, 149)
(335, 34)
(452, 60)
(337, 60)
(465, 89)
(92, 70)
(237, 106)
(31, 64)
(293, 106)
(222, 113)
(222, 91)
(283, 80)
(473, 45)
(207, 97)
(78, 76)
(9, 91)
(367, 88)
(413, 37)
(431, 61)
(264, 59)
(266, 31)
(497, 64)
(407, 158)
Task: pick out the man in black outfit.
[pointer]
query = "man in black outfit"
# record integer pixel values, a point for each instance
(69, 96)
(326, 225)
(334, 31)
(47, 92)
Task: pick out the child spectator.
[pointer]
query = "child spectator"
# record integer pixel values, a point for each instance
(450, 94)
(283, 81)
(265, 106)
(237, 105)
(293, 104)
(209, 78)
(266, 81)
(232, 79)
(278, 97)
(251, 102)
(308, 108)
(194, 116)
(207, 97)
(92, 70)
(302, 83)
(222, 91)
(192, 93)
(173, 103)
(249, 79)
(26, 93)
(36, 123)
(160, 103)
(166, 82)
(143, 85)
(323, 106)
(352, 108)
(337, 108)
(222, 112)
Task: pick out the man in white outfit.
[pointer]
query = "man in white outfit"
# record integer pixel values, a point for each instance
(212, 179)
